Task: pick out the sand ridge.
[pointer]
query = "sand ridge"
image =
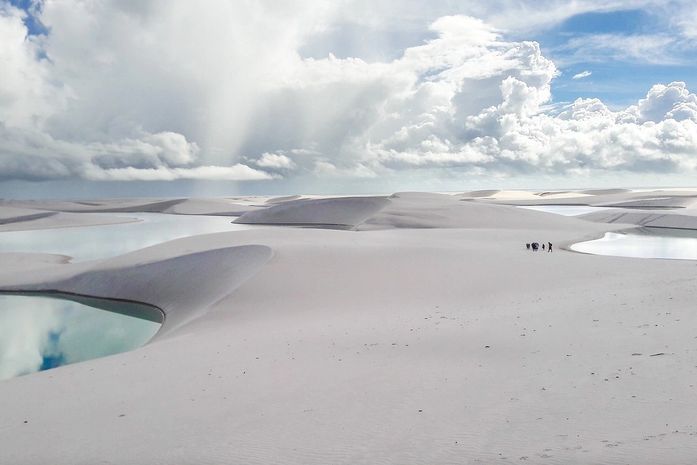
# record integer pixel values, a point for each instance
(342, 212)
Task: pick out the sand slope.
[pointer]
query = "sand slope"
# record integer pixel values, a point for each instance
(98, 206)
(419, 210)
(198, 206)
(440, 345)
(9, 215)
(645, 218)
(217, 207)
(23, 219)
(343, 212)
(176, 280)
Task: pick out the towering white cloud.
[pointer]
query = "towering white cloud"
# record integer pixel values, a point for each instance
(159, 90)
(70, 106)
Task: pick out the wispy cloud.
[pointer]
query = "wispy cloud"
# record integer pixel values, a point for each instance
(657, 49)
(582, 74)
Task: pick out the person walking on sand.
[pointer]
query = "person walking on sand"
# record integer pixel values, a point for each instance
(543, 246)
(549, 247)
(527, 246)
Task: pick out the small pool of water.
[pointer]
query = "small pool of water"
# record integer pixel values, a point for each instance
(38, 332)
(678, 244)
(93, 242)
(566, 210)
(43, 331)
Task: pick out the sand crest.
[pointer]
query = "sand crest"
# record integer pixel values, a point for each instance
(344, 212)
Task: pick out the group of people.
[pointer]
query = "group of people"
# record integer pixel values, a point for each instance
(534, 246)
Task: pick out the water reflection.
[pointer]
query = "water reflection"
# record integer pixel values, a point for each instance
(38, 332)
(678, 244)
(93, 242)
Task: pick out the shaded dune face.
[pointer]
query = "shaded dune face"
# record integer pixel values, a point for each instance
(400, 210)
(481, 193)
(604, 191)
(108, 206)
(285, 198)
(342, 213)
(19, 218)
(183, 287)
(667, 202)
(410, 210)
(18, 215)
(646, 218)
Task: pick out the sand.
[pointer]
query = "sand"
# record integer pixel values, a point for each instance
(426, 334)
(343, 212)
(24, 219)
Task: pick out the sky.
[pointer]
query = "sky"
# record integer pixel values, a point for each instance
(103, 98)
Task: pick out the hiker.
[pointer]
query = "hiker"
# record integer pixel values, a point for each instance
(535, 245)
(549, 246)
(543, 246)
(527, 246)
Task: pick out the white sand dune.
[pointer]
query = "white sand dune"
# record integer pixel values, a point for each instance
(645, 218)
(419, 210)
(198, 206)
(170, 284)
(482, 193)
(283, 199)
(216, 207)
(99, 206)
(420, 342)
(344, 212)
(24, 219)
(605, 191)
(9, 215)
(667, 202)
(606, 197)
(18, 265)
(522, 195)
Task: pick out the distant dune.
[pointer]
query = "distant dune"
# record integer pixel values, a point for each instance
(345, 212)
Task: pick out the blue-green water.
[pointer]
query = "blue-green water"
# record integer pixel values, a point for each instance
(676, 244)
(93, 242)
(42, 332)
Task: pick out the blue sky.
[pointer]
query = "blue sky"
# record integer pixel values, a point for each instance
(618, 80)
(33, 25)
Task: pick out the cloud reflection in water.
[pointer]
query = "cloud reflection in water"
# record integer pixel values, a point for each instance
(38, 333)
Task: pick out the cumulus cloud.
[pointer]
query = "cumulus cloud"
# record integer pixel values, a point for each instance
(274, 161)
(477, 103)
(35, 155)
(673, 101)
(582, 74)
(166, 90)
(60, 119)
